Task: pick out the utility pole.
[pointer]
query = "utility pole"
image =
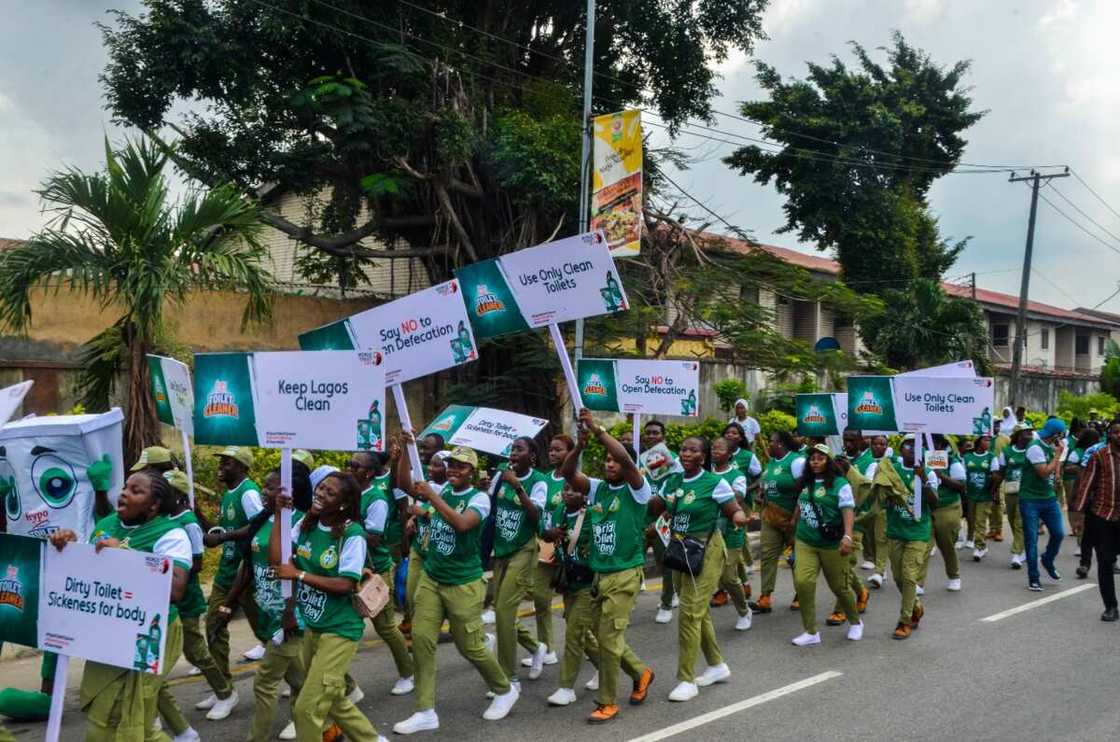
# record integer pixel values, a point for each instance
(974, 285)
(1035, 179)
(585, 157)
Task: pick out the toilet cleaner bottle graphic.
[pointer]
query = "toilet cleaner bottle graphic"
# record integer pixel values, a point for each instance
(612, 295)
(155, 634)
(369, 430)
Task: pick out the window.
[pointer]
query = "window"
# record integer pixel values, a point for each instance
(1100, 345)
(1000, 334)
(1081, 345)
(1045, 340)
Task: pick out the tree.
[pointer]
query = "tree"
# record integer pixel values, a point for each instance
(117, 237)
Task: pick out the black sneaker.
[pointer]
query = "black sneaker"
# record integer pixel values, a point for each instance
(1110, 615)
(1052, 571)
(1035, 587)
(1082, 571)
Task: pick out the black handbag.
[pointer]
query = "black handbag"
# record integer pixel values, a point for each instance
(569, 571)
(828, 531)
(684, 553)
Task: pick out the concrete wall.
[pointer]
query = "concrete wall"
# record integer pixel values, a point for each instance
(1040, 393)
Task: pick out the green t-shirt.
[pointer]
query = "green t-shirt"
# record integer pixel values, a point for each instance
(317, 552)
(947, 496)
(554, 499)
(423, 529)
(901, 523)
(376, 505)
(394, 529)
(694, 503)
(239, 505)
(779, 480)
(512, 527)
(733, 536)
(266, 588)
(618, 518)
(978, 475)
(864, 461)
(829, 502)
(1013, 462)
(455, 558)
(582, 553)
(1035, 487)
(160, 536)
(193, 603)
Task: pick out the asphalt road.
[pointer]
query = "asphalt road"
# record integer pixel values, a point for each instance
(1044, 672)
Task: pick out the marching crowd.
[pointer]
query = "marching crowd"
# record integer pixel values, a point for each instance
(542, 526)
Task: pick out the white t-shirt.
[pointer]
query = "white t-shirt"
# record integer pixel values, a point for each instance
(750, 426)
(957, 472)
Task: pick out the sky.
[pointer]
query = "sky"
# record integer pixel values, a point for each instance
(1046, 70)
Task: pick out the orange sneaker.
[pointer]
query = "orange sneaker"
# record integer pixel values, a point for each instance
(862, 600)
(795, 605)
(902, 631)
(720, 599)
(641, 689)
(762, 605)
(836, 619)
(332, 733)
(602, 714)
(747, 590)
(997, 536)
(916, 616)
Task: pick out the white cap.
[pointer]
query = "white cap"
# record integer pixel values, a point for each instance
(321, 473)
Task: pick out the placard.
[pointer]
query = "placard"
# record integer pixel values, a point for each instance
(224, 413)
(616, 195)
(947, 405)
(645, 386)
(490, 303)
(937, 460)
(21, 560)
(109, 607)
(871, 405)
(173, 392)
(483, 428)
(11, 397)
(960, 370)
(419, 334)
(820, 415)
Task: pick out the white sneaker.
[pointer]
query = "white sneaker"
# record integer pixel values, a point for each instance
(207, 703)
(537, 665)
(188, 736)
(501, 705)
(550, 658)
(855, 631)
(663, 616)
(979, 554)
(959, 544)
(954, 585)
(919, 590)
(676, 602)
(491, 644)
(488, 617)
(684, 692)
(642, 587)
(286, 692)
(970, 544)
(750, 570)
(1077, 551)
(288, 732)
(593, 683)
(807, 640)
(255, 653)
(868, 566)
(562, 697)
(194, 671)
(403, 686)
(933, 551)
(875, 580)
(157, 724)
(720, 673)
(744, 622)
(355, 696)
(421, 721)
(223, 708)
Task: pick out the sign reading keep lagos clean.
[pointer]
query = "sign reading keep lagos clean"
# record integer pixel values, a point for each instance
(109, 607)
(20, 569)
(633, 385)
(822, 414)
(172, 391)
(291, 399)
(420, 334)
(483, 428)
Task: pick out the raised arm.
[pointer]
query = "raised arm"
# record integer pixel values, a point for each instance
(570, 468)
(630, 471)
(461, 522)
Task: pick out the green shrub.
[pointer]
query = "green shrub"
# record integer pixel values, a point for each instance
(729, 392)
(1073, 405)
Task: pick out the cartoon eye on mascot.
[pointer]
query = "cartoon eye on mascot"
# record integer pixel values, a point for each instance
(61, 471)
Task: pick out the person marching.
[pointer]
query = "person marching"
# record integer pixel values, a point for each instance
(1038, 500)
(1004, 430)
(1009, 475)
(947, 516)
(743, 457)
(418, 524)
(1072, 467)
(909, 535)
(657, 462)
(979, 464)
(328, 555)
(877, 528)
(854, 466)
(734, 537)
(545, 572)
(778, 497)
(120, 703)
(451, 588)
(617, 505)
(825, 521)
(1097, 500)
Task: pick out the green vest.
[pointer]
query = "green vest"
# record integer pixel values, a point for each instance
(733, 536)
(553, 501)
(316, 553)
(1070, 479)
(379, 559)
(193, 603)
(143, 537)
(266, 588)
(826, 500)
(394, 530)
(454, 558)
(1035, 487)
(512, 527)
(617, 529)
(947, 496)
(1015, 464)
(231, 518)
(778, 483)
(691, 507)
(864, 461)
(978, 479)
(901, 524)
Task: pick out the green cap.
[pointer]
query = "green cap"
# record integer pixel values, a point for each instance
(464, 455)
(240, 453)
(822, 448)
(1025, 425)
(304, 457)
(178, 479)
(152, 455)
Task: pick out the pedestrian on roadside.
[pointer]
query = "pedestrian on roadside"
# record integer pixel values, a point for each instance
(1038, 500)
(750, 426)
(1098, 501)
(778, 498)
(1072, 467)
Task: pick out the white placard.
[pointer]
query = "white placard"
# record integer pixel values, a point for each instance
(960, 370)
(109, 607)
(937, 460)
(178, 392)
(494, 431)
(658, 387)
(326, 399)
(419, 334)
(564, 280)
(947, 405)
(11, 397)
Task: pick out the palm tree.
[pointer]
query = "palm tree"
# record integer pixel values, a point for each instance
(118, 237)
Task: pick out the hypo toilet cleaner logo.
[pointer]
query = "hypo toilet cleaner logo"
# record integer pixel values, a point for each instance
(221, 402)
(813, 416)
(869, 405)
(486, 302)
(11, 589)
(595, 386)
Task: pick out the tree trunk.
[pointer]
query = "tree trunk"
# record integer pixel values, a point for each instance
(141, 426)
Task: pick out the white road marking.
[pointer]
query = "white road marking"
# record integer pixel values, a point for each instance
(1040, 602)
(735, 708)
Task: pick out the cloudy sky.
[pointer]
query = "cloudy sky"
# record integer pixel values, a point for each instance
(1047, 71)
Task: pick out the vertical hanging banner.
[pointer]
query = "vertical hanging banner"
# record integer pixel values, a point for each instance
(820, 415)
(871, 405)
(616, 195)
(291, 399)
(21, 559)
(420, 334)
(173, 392)
(483, 428)
(637, 385)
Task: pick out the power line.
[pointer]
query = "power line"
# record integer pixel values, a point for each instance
(1082, 213)
(1097, 195)
(1077, 224)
